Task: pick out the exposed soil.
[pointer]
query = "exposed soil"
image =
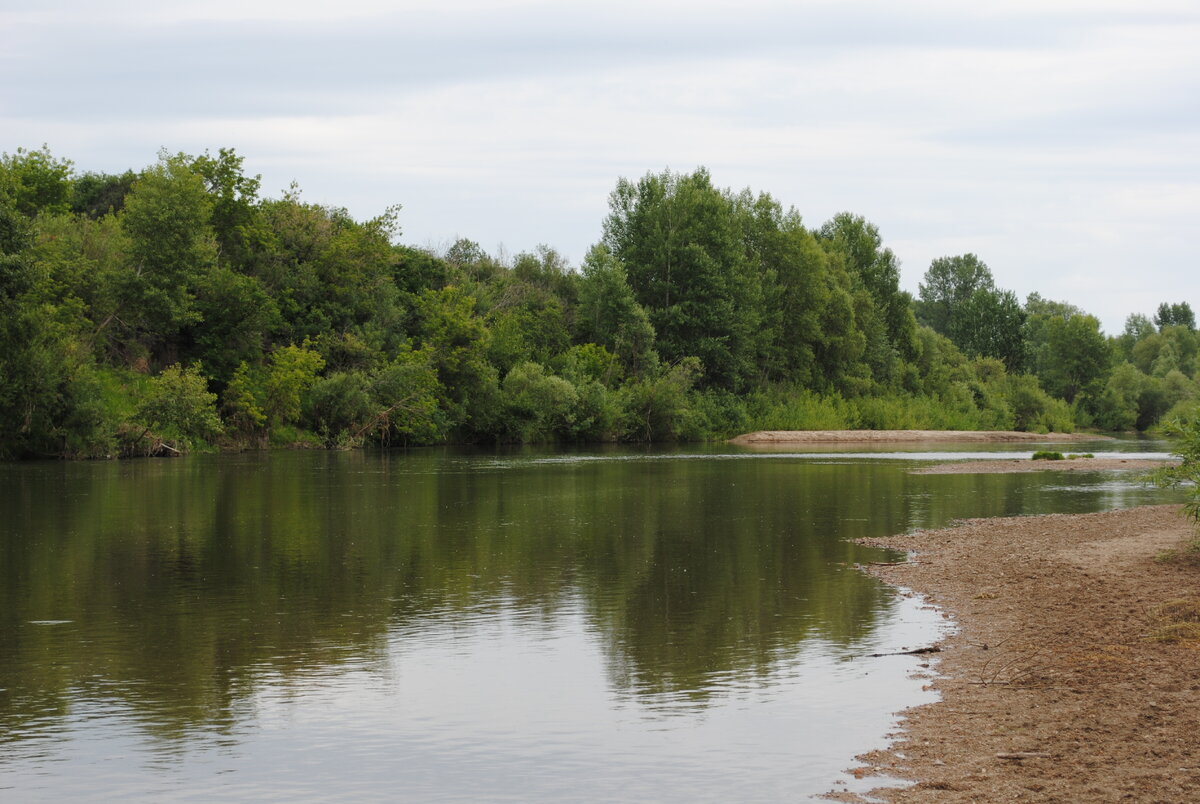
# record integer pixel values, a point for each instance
(766, 437)
(1057, 686)
(1010, 465)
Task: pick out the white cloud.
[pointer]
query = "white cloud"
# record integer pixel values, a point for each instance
(1057, 142)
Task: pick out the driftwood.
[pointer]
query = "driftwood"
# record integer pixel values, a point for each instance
(913, 652)
(1023, 755)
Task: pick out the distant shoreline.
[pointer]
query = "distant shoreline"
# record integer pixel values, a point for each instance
(909, 436)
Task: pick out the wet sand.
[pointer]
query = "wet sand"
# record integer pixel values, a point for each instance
(1011, 465)
(768, 437)
(1056, 686)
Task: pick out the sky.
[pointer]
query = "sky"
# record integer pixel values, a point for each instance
(1059, 141)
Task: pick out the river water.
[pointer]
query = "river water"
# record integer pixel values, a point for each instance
(442, 625)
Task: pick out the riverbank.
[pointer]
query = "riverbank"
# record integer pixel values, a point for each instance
(1015, 465)
(770, 437)
(1058, 684)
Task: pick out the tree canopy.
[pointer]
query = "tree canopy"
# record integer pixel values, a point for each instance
(174, 307)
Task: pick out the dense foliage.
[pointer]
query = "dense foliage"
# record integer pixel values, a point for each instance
(176, 308)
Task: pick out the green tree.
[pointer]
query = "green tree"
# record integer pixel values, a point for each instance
(236, 315)
(239, 227)
(456, 341)
(1072, 357)
(859, 243)
(959, 299)
(98, 194)
(35, 181)
(798, 288)
(990, 323)
(610, 316)
(1130, 400)
(1175, 315)
(658, 408)
(243, 404)
(682, 248)
(405, 394)
(949, 283)
(1137, 328)
(170, 250)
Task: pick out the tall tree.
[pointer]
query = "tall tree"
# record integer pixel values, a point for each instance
(1069, 354)
(171, 248)
(1175, 315)
(949, 283)
(609, 313)
(858, 241)
(35, 181)
(680, 242)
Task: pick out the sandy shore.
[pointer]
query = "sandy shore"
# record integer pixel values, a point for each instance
(1054, 687)
(1010, 465)
(764, 437)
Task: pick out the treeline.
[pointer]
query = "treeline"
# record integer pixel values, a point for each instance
(174, 308)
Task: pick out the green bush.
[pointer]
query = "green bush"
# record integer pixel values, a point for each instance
(1047, 455)
(338, 407)
(659, 408)
(179, 409)
(539, 407)
(1187, 431)
(1035, 411)
(785, 408)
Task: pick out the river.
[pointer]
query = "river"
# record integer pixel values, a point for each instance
(449, 625)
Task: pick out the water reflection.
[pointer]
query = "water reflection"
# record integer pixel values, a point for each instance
(518, 614)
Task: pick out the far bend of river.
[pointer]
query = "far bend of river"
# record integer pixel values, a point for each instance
(439, 625)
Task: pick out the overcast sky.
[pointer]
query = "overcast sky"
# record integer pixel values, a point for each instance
(1059, 141)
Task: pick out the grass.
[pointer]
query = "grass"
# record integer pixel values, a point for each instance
(1179, 621)
(1189, 553)
(1047, 455)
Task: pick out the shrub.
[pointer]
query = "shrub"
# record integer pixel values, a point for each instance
(658, 409)
(540, 407)
(1187, 430)
(800, 409)
(179, 407)
(1047, 455)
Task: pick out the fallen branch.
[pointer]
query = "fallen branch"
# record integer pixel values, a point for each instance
(913, 652)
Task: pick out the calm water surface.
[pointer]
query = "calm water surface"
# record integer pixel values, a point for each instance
(450, 626)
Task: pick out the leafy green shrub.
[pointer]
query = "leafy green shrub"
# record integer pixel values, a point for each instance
(597, 413)
(658, 409)
(1181, 412)
(293, 371)
(99, 401)
(1035, 411)
(180, 409)
(243, 405)
(338, 407)
(721, 414)
(540, 407)
(1187, 431)
(1047, 455)
(784, 408)
(405, 394)
(954, 409)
